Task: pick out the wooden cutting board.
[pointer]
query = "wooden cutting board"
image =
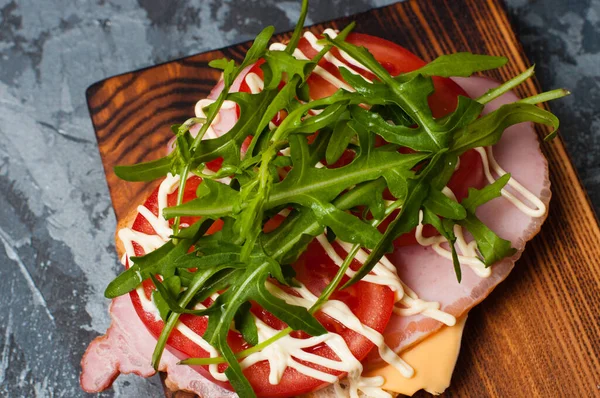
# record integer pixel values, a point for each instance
(538, 333)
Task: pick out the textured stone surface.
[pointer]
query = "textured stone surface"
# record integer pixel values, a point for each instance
(56, 221)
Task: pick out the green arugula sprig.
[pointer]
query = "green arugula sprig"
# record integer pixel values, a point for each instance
(409, 92)
(347, 201)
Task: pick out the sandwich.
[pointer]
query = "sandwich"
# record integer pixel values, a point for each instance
(323, 223)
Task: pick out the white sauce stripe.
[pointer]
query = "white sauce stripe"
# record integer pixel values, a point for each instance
(488, 160)
(340, 312)
(254, 82)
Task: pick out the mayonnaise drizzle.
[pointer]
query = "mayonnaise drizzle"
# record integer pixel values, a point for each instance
(385, 273)
(333, 34)
(324, 73)
(254, 82)
(339, 311)
(312, 39)
(487, 157)
(199, 111)
(468, 256)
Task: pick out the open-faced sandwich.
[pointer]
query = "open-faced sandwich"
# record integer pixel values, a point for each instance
(325, 222)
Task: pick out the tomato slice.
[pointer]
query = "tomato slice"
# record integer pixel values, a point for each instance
(372, 304)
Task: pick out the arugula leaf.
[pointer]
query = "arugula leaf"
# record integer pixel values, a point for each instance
(477, 197)
(244, 323)
(342, 134)
(218, 282)
(376, 91)
(296, 317)
(346, 226)
(214, 194)
(226, 65)
(369, 194)
(234, 373)
(413, 138)
(443, 206)
(462, 64)
(328, 116)
(488, 129)
(393, 114)
(411, 96)
(293, 43)
(445, 229)
(146, 171)
(280, 62)
(491, 246)
(467, 111)
(173, 286)
(258, 48)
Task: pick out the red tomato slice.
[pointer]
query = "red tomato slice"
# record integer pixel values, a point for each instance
(372, 304)
(256, 69)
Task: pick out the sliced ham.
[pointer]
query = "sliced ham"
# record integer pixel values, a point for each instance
(127, 348)
(431, 276)
(227, 116)
(235, 86)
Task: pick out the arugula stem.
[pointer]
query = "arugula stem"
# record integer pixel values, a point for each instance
(240, 355)
(196, 144)
(337, 279)
(546, 96)
(197, 283)
(505, 87)
(182, 181)
(293, 43)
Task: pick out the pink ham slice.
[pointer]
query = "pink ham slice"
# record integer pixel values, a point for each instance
(235, 86)
(431, 276)
(127, 348)
(227, 117)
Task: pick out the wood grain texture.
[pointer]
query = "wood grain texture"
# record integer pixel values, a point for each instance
(538, 334)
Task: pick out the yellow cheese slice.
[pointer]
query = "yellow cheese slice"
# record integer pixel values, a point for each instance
(433, 360)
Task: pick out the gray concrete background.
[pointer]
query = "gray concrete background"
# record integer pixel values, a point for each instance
(56, 221)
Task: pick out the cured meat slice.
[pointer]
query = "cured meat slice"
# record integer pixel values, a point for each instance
(127, 348)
